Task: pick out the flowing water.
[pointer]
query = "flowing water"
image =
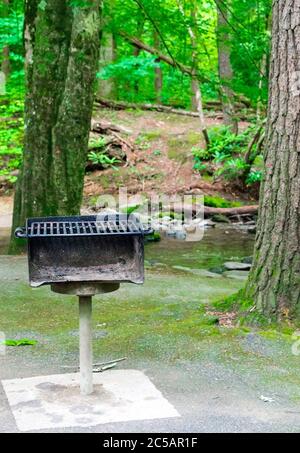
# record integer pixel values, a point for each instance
(218, 245)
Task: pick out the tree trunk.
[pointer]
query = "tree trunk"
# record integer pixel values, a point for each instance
(195, 84)
(136, 50)
(225, 69)
(158, 76)
(62, 49)
(5, 64)
(199, 107)
(107, 56)
(274, 282)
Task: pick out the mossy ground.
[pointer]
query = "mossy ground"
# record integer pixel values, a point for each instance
(167, 321)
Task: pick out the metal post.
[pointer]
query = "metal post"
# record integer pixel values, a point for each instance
(86, 350)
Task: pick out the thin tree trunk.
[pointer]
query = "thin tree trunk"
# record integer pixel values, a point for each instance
(5, 64)
(263, 72)
(274, 282)
(199, 107)
(107, 56)
(137, 50)
(158, 76)
(195, 84)
(225, 68)
(62, 50)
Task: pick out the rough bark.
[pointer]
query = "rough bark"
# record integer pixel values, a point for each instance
(225, 68)
(274, 282)
(62, 50)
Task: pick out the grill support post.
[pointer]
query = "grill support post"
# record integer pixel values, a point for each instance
(86, 348)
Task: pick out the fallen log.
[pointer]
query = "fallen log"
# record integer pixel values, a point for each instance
(242, 210)
(103, 127)
(210, 211)
(121, 105)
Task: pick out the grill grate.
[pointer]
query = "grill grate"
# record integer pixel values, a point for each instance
(82, 226)
(41, 229)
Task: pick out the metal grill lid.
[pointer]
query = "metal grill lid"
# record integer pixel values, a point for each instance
(109, 224)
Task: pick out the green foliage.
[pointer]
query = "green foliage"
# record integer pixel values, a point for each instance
(98, 143)
(21, 342)
(131, 68)
(253, 177)
(226, 153)
(130, 209)
(11, 132)
(102, 159)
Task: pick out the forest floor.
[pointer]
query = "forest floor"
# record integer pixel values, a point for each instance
(163, 161)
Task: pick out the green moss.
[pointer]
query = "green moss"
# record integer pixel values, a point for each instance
(178, 148)
(171, 214)
(153, 237)
(194, 138)
(235, 302)
(219, 202)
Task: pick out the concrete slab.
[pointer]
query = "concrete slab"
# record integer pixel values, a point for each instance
(52, 402)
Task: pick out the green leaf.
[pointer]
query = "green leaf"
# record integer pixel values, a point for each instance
(21, 342)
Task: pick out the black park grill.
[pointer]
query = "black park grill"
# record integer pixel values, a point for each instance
(85, 256)
(102, 248)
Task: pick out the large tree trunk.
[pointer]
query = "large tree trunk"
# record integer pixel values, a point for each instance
(62, 49)
(274, 282)
(225, 68)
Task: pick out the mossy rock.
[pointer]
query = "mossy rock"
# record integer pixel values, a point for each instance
(220, 218)
(217, 269)
(153, 237)
(247, 260)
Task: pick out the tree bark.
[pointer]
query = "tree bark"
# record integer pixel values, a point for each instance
(62, 50)
(107, 56)
(225, 68)
(274, 282)
(5, 64)
(136, 50)
(195, 84)
(158, 75)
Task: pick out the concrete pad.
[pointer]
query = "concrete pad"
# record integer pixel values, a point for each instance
(50, 402)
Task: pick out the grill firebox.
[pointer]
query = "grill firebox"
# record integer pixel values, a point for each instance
(103, 248)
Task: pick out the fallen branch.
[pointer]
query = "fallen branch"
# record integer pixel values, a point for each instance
(157, 53)
(251, 210)
(121, 105)
(103, 127)
(210, 211)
